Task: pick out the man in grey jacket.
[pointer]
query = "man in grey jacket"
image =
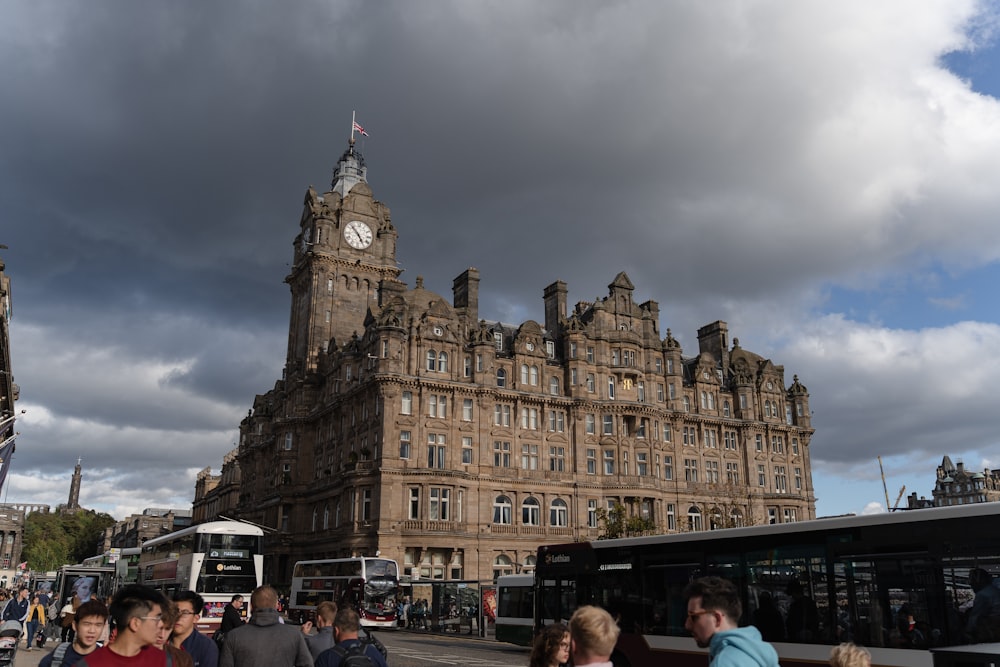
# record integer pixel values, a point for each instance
(265, 641)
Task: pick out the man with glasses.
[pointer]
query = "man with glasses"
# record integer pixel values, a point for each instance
(138, 615)
(202, 650)
(713, 617)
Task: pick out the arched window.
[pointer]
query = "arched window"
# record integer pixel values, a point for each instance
(524, 374)
(529, 512)
(443, 362)
(767, 408)
(558, 513)
(727, 410)
(529, 563)
(501, 566)
(501, 377)
(315, 518)
(611, 387)
(326, 517)
(554, 385)
(534, 376)
(502, 511)
(431, 359)
(714, 519)
(736, 516)
(694, 518)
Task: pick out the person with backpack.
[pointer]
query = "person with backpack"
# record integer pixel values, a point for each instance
(350, 651)
(90, 621)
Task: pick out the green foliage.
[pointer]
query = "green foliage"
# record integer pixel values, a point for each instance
(618, 523)
(51, 540)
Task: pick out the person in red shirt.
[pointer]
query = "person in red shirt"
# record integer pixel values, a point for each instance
(138, 614)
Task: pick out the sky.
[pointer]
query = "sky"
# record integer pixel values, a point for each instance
(822, 176)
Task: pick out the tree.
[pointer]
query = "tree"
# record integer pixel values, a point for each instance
(618, 522)
(52, 540)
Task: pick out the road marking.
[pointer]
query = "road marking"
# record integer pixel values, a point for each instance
(445, 659)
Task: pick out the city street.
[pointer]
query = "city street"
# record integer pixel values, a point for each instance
(406, 649)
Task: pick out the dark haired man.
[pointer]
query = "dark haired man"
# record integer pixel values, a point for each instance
(713, 617)
(88, 624)
(346, 626)
(265, 641)
(138, 614)
(231, 616)
(202, 650)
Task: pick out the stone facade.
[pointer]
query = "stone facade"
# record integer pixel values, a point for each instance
(217, 495)
(406, 425)
(957, 486)
(134, 530)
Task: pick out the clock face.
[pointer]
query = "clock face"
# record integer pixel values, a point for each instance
(358, 234)
(530, 346)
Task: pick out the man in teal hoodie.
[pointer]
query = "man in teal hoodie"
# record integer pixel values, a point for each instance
(713, 618)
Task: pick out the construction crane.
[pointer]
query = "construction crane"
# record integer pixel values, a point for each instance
(902, 490)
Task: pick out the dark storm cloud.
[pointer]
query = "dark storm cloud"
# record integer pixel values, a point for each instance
(732, 159)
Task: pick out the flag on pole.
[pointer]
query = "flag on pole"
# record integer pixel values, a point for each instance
(360, 130)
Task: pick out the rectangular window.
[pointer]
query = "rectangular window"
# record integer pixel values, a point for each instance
(435, 450)
(772, 515)
(790, 515)
(795, 445)
(666, 432)
(590, 420)
(671, 517)
(690, 436)
(501, 414)
(467, 409)
(572, 378)
(592, 514)
(640, 388)
(711, 438)
(712, 472)
(611, 387)
(479, 363)
(743, 401)
(671, 391)
(591, 383)
(609, 462)
(557, 459)
(658, 364)
(608, 422)
(404, 444)
(761, 476)
(641, 464)
(288, 440)
(572, 350)
(733, 473)
(690, 470)
(406, 404)
(670, 365)
(366, 505)
(659, 392)
(798, 479)
(591, 461)
(501, 454)
(529, 457)
(780, 480)
(438, 503)
(668, 467)
(467, 366)
(759, 442)
(498, 340)
(466, 449)
(590, 354)
(730, 439)
(641, 431)
(778, 444)
(414, 504)
(550, 349)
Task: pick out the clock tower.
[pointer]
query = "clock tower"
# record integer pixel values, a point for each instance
(344, 264)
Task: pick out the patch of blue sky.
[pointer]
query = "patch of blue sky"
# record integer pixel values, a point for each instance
(933, 298)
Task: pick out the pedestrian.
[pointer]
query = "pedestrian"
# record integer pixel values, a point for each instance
(202, 650)
(264, 641)
(593, 634)
(713, 615)
(66, 617)
(346, 626)
(177, 656)
(17, 610)
(849, 655)
(231, 615)
(36, 618)
(326, 613)
(138, 615)
(551, 647)
(89, 623)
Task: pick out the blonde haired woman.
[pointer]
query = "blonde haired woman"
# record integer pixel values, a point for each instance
(849, 655)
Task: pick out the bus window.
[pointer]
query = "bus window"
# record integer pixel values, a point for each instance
(971, 598)
(663, 586)
(794, 579)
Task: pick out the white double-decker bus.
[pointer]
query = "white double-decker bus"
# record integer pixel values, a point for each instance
(217, 560)
(369, 585)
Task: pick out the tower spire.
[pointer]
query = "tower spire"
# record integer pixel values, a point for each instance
(74, 487)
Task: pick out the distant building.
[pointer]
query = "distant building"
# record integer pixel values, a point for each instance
(957, 486)
(12, 538)
(134, 530)
(406, 424)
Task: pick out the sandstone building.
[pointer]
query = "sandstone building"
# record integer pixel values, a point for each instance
(412, 425)
(954, 485)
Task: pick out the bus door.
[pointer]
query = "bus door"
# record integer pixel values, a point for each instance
(664, 608)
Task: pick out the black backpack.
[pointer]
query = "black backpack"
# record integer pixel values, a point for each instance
(353, 656)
